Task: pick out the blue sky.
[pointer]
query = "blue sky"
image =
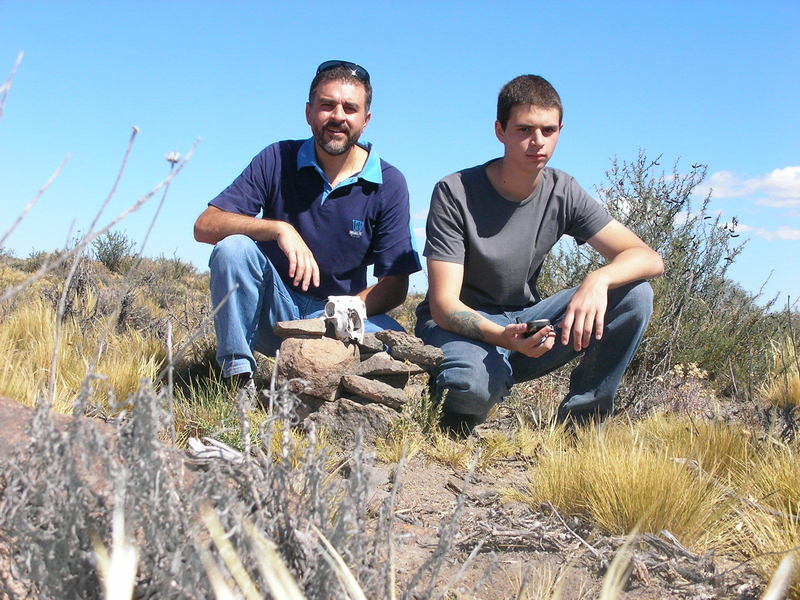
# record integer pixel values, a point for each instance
(707, 82)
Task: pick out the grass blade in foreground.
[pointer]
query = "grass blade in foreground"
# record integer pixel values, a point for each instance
(277, 575)
(345, 575)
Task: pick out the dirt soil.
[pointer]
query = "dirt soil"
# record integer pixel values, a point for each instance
(501, 544)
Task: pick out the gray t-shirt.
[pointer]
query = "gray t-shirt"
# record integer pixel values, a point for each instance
(502, 244)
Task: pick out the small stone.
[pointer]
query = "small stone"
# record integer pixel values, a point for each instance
(375, 390)
(313, 367)
(381, 363)
(300, 328)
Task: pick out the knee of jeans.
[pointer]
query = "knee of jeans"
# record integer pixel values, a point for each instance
(472, 391)
(639, 298)
(231, 250)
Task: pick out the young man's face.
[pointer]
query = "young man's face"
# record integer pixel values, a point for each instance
(337, 115)
(530, 136)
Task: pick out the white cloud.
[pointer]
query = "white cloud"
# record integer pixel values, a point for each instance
(419, 233)
(779, 202)
(780, 188)
(421, 215)
(787, 233)
(782, 233)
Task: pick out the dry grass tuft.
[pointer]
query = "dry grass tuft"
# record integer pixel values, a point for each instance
(783, 388)
(766, 539)
(27, 338)
(448, 451)
(403, 440)
(620, 479)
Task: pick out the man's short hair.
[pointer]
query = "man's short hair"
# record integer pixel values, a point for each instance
(344, 74)
(527, 89)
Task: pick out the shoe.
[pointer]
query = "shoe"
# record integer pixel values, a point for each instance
(457, 425)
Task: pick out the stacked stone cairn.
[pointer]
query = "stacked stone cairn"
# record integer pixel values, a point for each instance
(347, 386)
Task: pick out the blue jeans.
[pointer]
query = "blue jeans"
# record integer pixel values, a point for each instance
(477, 375)
(245, 321)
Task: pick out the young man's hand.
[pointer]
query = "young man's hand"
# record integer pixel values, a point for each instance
(586, 313)
(534, 346)
(303, 268)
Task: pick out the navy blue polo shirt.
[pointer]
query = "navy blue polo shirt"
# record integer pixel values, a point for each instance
(362, 221)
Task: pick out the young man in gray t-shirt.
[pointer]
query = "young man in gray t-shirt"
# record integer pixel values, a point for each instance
(489, 230)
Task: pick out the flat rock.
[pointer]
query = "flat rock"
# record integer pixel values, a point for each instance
(404, 346)
(398, 338)
(381, 363)
(343, 418)
(313, 367)
(376, 391)
(370, 344)
(314, 328)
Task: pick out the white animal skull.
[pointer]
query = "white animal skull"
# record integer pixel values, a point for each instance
(348, 315)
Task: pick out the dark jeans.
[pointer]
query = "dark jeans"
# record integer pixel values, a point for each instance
(477, 375)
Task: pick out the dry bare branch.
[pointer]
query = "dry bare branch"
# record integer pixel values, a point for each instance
(6, 87)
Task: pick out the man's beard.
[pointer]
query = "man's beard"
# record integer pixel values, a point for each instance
(335, 147)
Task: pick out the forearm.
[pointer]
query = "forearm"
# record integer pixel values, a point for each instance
(455, 316)
(215, 224)
(390, 292)
(633, 264)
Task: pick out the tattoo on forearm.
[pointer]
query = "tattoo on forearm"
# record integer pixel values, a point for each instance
(466, 323)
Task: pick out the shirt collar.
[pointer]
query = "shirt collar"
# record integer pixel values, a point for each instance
(307, 157)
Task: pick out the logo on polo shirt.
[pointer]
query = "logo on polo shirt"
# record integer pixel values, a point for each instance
(358, 228)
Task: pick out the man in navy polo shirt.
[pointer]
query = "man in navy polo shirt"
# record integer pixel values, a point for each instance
(329, 206)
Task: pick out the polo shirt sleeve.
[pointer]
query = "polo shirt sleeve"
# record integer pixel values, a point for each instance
(250, 192)
(445, 226)
(587, 215)
(392, 247)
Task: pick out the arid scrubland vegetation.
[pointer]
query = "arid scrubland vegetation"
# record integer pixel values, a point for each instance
(691, 490)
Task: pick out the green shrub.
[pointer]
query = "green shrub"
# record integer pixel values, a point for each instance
(113, 249)
(700, 315)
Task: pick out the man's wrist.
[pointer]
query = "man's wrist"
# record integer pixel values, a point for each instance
(279, 228)
(599, 277)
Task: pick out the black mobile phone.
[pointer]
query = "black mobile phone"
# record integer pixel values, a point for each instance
(534, 326)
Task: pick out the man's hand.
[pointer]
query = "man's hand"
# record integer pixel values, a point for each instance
(534, 346)
(303, 269)
(586, 312)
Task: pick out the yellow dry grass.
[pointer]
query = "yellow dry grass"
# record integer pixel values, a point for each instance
(403, 440)
(27, 340)
(766, 539)
(620, 477)
(783, 387)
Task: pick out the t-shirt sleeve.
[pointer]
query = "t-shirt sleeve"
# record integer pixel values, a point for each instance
(587, 215)
(250, 192)
(445, 227)
(393, 249)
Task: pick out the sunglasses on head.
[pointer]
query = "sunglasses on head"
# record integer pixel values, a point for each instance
(357, 70)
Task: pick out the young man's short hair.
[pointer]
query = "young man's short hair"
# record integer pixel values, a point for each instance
(527, 89)
(344, 74)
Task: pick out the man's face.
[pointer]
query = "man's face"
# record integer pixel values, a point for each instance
(337, 115)
(530, 136)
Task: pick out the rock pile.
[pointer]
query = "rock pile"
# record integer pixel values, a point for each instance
(351, 386)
